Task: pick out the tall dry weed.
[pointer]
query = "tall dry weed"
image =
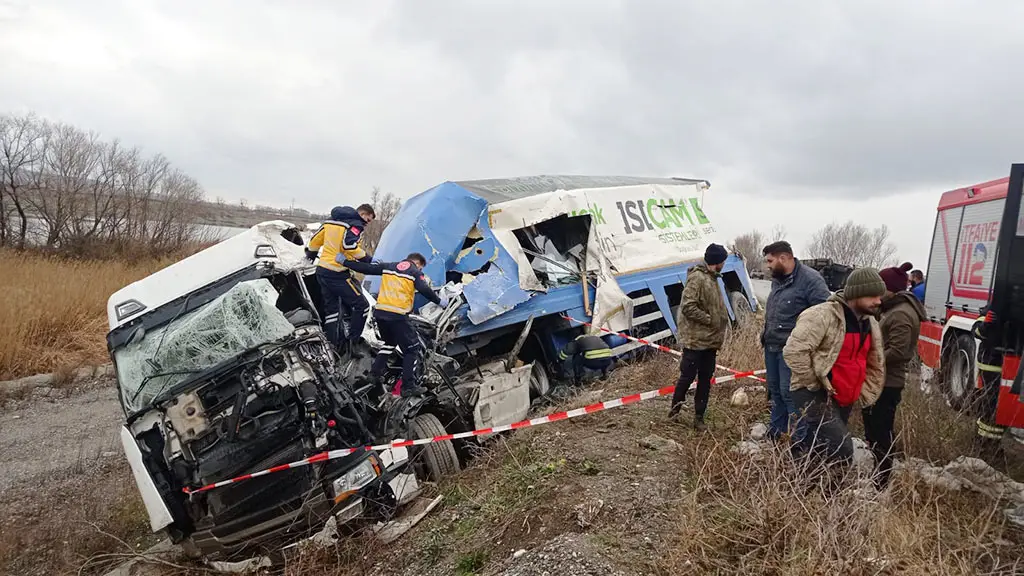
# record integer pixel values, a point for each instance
(53, 310)
(761, 515)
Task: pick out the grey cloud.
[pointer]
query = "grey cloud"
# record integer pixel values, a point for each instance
(320, 100)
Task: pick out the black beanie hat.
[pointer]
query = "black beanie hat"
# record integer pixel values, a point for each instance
(715, 254)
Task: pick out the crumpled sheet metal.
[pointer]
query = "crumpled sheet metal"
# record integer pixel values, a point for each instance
(436, 223)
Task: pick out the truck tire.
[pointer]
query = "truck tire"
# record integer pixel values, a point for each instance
(439, 459)
(740, 307)
(540, 384)
(958, 371)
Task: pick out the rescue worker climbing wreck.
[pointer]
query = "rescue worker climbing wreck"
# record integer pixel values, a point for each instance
(338, 241)
(586, 353)
(400, 281)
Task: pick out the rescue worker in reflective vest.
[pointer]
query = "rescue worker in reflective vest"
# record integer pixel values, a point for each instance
(400, 281)
(586, 353)
(338, 241)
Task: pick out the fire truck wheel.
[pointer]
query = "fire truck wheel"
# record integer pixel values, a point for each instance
(958, 371)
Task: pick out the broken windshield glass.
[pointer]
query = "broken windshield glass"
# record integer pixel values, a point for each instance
(240, 319)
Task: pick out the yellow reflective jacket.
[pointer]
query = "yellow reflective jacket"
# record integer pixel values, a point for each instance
(399, 283)
(336, 238)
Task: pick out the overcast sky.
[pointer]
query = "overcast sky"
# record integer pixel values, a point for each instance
(798, 112)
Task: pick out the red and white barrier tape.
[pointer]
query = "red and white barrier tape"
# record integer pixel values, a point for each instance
(654, 345)
(558, 416)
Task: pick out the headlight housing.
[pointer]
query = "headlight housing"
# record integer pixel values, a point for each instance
(364, 473)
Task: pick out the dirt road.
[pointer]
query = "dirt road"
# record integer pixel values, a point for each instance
(42, 438)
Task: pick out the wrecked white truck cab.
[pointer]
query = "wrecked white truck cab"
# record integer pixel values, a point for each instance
(223, 370)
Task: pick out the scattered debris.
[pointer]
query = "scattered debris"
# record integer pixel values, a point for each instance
(241, 567)
(394, 529)
(863, 457)
(149, 563)
(758, 432)
(748, 448)
(587, 512)
(655, 442)
(740, 398)
(967, 473)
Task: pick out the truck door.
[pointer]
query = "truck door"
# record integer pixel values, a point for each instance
(1006, 307)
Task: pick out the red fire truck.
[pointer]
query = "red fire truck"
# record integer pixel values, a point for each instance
(974, 298)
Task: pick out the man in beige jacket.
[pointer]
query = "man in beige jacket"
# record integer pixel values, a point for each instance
(836, 355)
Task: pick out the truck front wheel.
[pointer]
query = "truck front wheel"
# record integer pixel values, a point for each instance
(438, 459)
(740, 308)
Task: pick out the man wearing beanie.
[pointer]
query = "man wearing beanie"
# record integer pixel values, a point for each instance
(902, 315)
(702, 321)
(836, 356)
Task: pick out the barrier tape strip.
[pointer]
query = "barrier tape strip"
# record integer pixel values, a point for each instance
(556, 417)
(654, 345)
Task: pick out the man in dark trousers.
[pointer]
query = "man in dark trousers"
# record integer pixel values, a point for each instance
(586, 353)
(835, 353)
(400, 281)
(795, 288)
(338, 241)
(702, 321)
(902, 315)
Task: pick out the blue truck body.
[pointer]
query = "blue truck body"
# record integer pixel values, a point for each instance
(437, 223)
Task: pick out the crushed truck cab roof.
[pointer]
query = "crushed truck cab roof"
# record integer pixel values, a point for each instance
(277, 243)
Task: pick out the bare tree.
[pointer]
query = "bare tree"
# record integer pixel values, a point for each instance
(385, 206)
(19, 155)
(854, 245)
(65, 189)
(749, 246)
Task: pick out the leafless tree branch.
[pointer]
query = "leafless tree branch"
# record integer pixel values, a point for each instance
(854, 245)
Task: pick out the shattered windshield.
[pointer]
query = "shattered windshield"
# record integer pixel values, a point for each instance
(157, 359)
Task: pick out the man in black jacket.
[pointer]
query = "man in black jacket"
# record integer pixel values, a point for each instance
(795, 288)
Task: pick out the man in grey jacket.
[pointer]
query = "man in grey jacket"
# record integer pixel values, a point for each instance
(795, 288)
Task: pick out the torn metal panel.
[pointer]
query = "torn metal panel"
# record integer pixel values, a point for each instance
(437, 223)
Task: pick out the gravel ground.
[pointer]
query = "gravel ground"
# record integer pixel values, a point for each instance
(565, 555)
(51, 436)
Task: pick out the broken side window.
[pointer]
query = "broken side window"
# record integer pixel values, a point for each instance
(556, 248)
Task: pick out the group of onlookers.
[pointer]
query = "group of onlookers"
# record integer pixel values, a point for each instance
(825, 354)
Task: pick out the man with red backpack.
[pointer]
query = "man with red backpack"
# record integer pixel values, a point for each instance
(836, 355)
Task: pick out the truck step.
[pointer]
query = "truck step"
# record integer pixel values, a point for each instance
(638, 320)
(619, 350)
